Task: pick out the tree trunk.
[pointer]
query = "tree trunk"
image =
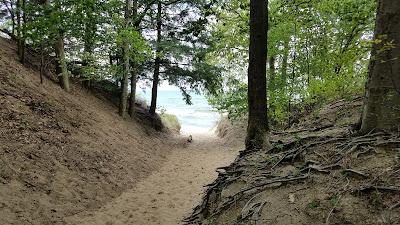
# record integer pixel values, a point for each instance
(271, 81)
(62, 71)
(382, 101)
(272, 68)
(19, 27)
(134, 70)
(10, 10)
(285, 60)
(257, 90)
(126, 48)
(41, 62)
(156, 77)
(133, 90)
(89, 36)
(22, 53)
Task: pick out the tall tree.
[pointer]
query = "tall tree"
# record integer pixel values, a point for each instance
(126, 70)
(257, 81)
(62, 69)
(382, 98)
(134, 69)
(157, 62)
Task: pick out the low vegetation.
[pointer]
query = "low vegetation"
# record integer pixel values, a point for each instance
(171, 122)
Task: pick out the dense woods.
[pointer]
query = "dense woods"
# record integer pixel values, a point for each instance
(121, 41)
(301, 53)
(317, 50)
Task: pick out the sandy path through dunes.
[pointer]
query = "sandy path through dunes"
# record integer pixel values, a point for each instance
(169, 194)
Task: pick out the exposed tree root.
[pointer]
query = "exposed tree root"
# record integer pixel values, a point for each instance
(260, 170)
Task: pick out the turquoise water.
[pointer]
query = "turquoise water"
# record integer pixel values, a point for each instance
(198, 117)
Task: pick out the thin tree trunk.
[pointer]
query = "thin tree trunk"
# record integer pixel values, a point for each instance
(22, 53)
(41, 62)
(133, 90)
(257, 90)
(134, 70)
(126, 48)
(285, 60)
(62, 70)
(156, 77)
(272, 81)
(19, 27)
(272, 70)
(293, 75)
(382, 99)
(89, 36)
(12, 15)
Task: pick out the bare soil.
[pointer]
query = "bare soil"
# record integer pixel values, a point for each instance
(168, 195)
(64, 153)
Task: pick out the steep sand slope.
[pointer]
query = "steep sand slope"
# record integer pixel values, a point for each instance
(168, 195)
(64, 153)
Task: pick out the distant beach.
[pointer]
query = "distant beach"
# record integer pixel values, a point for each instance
(196, 118)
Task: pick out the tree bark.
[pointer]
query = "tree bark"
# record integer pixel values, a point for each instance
(382, 99)
(62, 71)
(89, 42)
(19, 27)
(257, 90)
(272, 70)
(134, 70)
(285, 60)
(156, 77)
(23, 33)
(41, 62)
(133, 90)
(126, 48)
(271, 81)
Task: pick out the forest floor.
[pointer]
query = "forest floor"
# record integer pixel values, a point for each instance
(320, 171)
(169, 194)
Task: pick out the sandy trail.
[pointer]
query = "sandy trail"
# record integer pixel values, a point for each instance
(169, 194)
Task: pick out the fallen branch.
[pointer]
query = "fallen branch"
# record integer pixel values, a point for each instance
(394, 206)
(358, 173)
(379, 188)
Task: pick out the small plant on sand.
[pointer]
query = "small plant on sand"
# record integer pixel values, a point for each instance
(279, 146)
(297, 138)
(376, 199)
(171, 122)
(314, 204)
(334, 200)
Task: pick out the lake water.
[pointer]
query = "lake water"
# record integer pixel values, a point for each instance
(195, 118)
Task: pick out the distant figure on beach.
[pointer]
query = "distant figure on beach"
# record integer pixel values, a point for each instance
(190, 139)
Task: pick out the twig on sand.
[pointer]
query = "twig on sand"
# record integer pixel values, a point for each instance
(379, 188)
(337, 202)
(347, 171)
(394, 206)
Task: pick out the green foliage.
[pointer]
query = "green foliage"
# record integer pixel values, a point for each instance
(334, 200)
(376, 199)
(139, 49)
(171, 122)
(314, 204)
(320, 50)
